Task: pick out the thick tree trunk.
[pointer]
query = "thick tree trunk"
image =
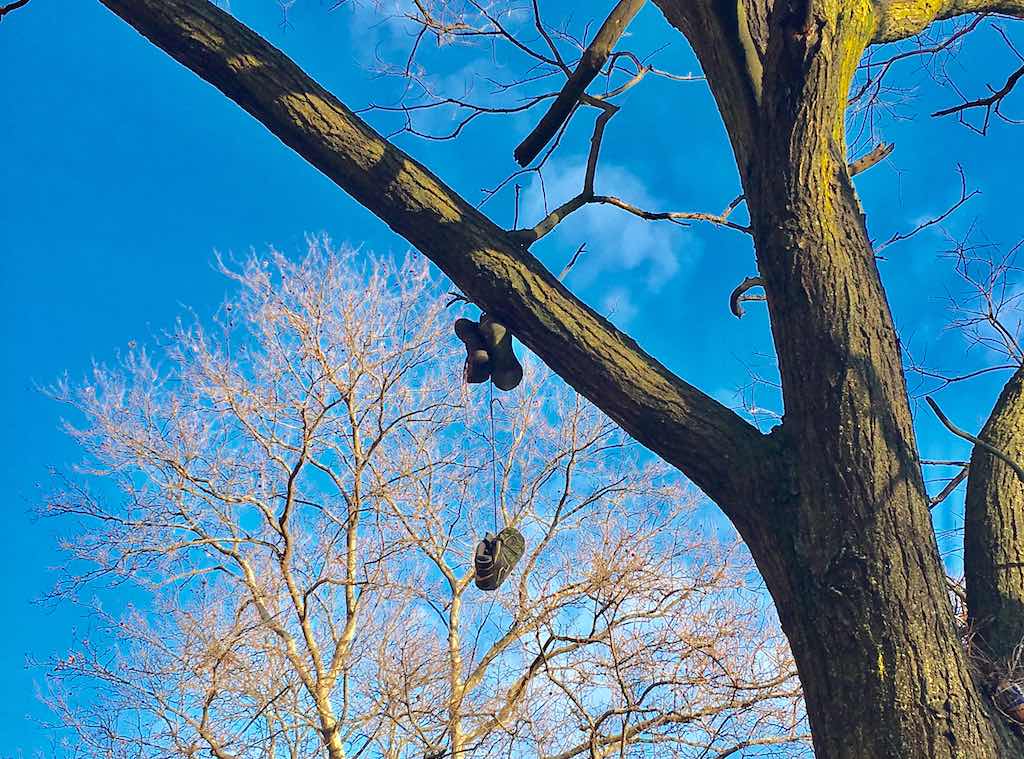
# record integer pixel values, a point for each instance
(853, 567)
(855, 570)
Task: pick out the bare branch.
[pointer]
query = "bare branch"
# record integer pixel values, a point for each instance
(964, 197)
(484, 262)
(572, 261)
(950, 486)
(876, 71)
(590, 65)
(9, 7)
(739, 295)
(987, 313)
(587, 196)
(991, 104)
(1017, 468)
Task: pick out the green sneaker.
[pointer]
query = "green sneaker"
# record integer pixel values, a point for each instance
(478, 363)
(506, 371)
(496, 556)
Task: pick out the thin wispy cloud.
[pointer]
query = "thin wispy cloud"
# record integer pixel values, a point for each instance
(618, 307)
(616, 241)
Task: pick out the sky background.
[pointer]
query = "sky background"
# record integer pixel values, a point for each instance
(122, 174)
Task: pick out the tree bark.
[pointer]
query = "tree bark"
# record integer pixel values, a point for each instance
(994, 530)
(832, 503)
(854, 568)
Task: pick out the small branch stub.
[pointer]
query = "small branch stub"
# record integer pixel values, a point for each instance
(740, 294)
(950, 486)
(880, 152)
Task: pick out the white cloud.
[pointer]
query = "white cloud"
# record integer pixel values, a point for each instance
(616, 240)
(618, 307)
(380, 29)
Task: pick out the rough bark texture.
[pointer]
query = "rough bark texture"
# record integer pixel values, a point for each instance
(994, 529)
(899, 19)
(832, 503)
(855, 573)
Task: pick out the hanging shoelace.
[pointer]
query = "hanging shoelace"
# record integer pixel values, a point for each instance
(489, 355)
(496, 555)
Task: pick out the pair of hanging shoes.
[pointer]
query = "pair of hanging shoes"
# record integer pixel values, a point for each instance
(489, 353)
(496, 556)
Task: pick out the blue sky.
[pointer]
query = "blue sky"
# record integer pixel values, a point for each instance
(122, 174)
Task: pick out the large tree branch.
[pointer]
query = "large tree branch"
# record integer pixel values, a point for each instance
(719, 451)
(994, 527)
(589, 67)
(899, 19)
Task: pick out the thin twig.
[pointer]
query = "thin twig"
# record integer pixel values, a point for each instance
(993, 102)
(1017, 468)
(572, 261)
(875, 82)
(677, 217)
(964, 197)
(456, 298)
(950, 487)
(586, 196)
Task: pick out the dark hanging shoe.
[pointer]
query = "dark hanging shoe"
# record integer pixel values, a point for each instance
(478, 363)
(506, 371)
(496, 556)
(1009, 697)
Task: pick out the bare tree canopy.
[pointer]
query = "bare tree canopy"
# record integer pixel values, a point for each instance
(832, 501)
(297, 493)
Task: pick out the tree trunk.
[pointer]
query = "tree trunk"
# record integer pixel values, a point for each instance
(329, 728)
(855, 569)
(853, 565)
(994, 531)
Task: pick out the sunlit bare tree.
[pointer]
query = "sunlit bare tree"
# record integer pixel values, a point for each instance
(291, 500)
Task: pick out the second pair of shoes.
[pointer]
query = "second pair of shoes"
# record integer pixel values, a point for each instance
(495, 557)
(489, 352)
